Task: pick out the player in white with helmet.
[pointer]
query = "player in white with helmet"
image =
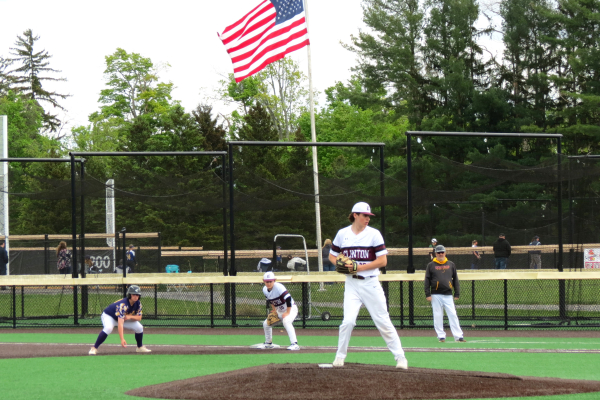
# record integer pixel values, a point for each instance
(364, 245)
(282, 302)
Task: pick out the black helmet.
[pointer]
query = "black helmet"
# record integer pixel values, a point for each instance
(134, 289)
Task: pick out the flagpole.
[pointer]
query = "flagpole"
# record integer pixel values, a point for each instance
(313, 135)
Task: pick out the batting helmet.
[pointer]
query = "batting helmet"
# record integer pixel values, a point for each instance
(134, 289)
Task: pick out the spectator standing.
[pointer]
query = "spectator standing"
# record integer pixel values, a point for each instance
(432, 247)
(131, 261)
(3, 260)
(263, 265)
(279, 258)
(476, 256)
(535, 255)
(327, 265)
(63, 256)
(502, 251)
(440, 279)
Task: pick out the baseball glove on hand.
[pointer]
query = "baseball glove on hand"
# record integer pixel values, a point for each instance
(345, 265)
(272, 318)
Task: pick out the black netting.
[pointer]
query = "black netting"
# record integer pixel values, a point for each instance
(487, 304)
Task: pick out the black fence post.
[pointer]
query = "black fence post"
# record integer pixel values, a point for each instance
(233, 307)
(14, 306)
(158, 269)
(506, 304)
(155, 301)
(212, 305)
(386, 290)
(401, 305)
(305, 304)
(562, 301)
(227, 300)
(124, 261)
(23, 301)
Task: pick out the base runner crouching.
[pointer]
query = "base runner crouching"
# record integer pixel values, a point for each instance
(125, 313)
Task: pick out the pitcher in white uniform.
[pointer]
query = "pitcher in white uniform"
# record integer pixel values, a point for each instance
(364, 245)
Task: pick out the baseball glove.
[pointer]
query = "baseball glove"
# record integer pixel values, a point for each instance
(345, 265)
(272, 318)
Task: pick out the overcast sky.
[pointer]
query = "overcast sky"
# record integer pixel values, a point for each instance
(183, 33)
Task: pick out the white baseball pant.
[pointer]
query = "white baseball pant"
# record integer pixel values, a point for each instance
(287, 324)
(109, 324)
(370, 293)
(439, 302)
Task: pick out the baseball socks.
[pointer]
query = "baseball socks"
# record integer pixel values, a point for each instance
(138, 339)
(101, 338)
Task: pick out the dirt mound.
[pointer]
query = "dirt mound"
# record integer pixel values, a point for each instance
(360, 381)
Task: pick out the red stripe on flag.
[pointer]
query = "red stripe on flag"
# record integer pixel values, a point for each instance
(273, 59)
(274, 34)
(280, 44)
(246, 31)
(241, 20)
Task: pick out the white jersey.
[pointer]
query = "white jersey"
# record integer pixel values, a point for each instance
(277, 296)
(362, 248)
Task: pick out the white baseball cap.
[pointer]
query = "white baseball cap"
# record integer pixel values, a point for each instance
(434, 240)
(362, 208)
(269, 276)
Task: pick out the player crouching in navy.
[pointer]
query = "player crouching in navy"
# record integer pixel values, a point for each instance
(125, 313)
(282, 303)
(366, 249)
(440, 279)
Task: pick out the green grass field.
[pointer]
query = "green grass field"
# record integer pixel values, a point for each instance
(109, 377)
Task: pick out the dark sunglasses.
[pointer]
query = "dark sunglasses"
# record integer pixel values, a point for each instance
(440, 252)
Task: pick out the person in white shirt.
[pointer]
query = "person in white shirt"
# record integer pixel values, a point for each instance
(281, 301)
(364, 245)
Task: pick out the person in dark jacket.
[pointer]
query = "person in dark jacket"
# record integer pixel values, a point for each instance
(501, 251)
(440, 279)
(535, 255)
(3, 260)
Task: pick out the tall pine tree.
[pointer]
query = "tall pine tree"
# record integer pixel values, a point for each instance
(29, 77)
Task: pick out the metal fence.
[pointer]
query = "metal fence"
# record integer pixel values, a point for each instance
(483, 304)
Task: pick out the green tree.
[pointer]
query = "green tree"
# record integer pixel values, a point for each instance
(5, 77)
(576, 75)
(133, 87)
(454, 62)
(529, 59)
(280, 88)
(391, 55)
(29, 77)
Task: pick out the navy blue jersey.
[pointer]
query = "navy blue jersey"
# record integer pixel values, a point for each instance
(120, 308)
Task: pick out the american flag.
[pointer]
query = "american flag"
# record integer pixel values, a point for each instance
(266, 34)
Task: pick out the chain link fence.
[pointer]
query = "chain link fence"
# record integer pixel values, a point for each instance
(483, 304)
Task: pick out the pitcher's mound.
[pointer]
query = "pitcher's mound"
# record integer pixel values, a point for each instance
(360, 381)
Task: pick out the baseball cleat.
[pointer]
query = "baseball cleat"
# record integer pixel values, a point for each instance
(442, 340)
(339, 362)
(93, 351)
(294, 347)
(143, 349)
(462, 340)
(402, 363)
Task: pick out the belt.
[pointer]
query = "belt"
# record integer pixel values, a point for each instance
(360, 277)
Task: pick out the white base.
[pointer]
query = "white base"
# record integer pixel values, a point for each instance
(261, 346)
(325, 365)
